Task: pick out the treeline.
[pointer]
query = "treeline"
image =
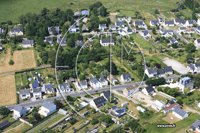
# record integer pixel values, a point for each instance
(98, 9)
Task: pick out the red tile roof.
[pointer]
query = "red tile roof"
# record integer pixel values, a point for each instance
(171, 106)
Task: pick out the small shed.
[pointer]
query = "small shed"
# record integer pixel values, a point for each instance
(61, 111)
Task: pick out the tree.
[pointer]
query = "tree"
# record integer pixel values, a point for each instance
(94, 121)
(156, 11)
(114, 70)
(11, 62)
(31, 119)
(190, 48)
(105, 73)
(174, 45)
(154, 31)
(89, 25)
(179, 101)
(181, 6)
(93, 111)
(4, 111)
(194, 17)
(150, 50)
(108, 21)
(69, 98)
(196, 81)
(9, 22)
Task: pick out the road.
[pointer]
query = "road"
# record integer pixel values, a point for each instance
(27, 104)
(179, 36)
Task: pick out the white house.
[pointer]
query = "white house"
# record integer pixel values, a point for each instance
(106, 42)
(102, 26)
(160, 20)
(124, 104)
(65, 87)
(151, 72)
(198, 30)
(173, 40)
(145, 34)
(119, 24)
(112, 27)
(197, 67)
(103, 81)
(37, 92)
(122, 32)
(141, 109)
(197, 43)
(198, 21)
(126, 77)
(195, 126)
(46, 108)
(140, 24)
(158, 105)
(179, 113)
(149, 90)
(154, 23)
(18, 111)
(182, 29)
(178, 21)
(190, 23)
(81, 84)
(25, 94)
(48, 88)
(169, 23)
(95, 83)
(184, 83)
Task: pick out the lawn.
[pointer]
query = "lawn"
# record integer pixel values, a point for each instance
(7, 90)
(169, 119)
(20, 129)
(23, 59)
(12, 9)
(158, 97)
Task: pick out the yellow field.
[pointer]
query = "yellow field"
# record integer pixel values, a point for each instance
(23, 59)
(7, 90)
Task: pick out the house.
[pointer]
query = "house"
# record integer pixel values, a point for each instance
(158, 105)
(35, 84)
(169, 23)
(76, 14)
(84, 28)
(102, 26)
(49, 40)
(37, 92)
(107, 94)
(62, 41)
(65, 87)
(141, 109)
(173, 41)
(179, 21)
(149, 90)
(103, 81)
(112, 27)
(18, 31)
(85, 12)
(119, 112)
(168, 70)
(119, 24)
(154, 23)
(112, 79)
(190, 23)
(195, 126)
(122, 32)
(1, 31)
(130, 90)
(25, 94)
(182, 29)
(151, 72)
(190, 30)
(85, 19)
(160, 72)
(106, 42)
(48, 88)
(140, 24)
(129, 31)
(1, 47)
(18, 111)
(198, 30)
(95, 83)
(169, 108)
(53, 30)
(197, 66)
(46, 108)
(160, 20)
(126, 78)
(185, 82)
(145, 33)
(191, 68)
(197, 43)
(4, 124)
(27, 43)
(97, 102)
(163, 31)
(167, 34)
(80, 42)
(73, 29)
(124, 104)
(81, 84)
(63, 112)
(181, 114)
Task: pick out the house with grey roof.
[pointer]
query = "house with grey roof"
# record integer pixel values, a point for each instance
(185, 82)
(46, 108)
(160, 20)
(182, 29)
(53, 30)
(18, 111)
(112, 27)
(166, 33)
(119, 24)
(126, 77)
(132, 89)
(95, 83)
(81, 84)
(198, 30)
(106, 42)
(173, 41)
(190, 23)
(25, 93)
(62, 41)
(102, 26)
(37, 92)
(73, 29)
(65, 87)
(151, 72)
(197, 43)
(149, 90)
(48, 88)
(140, 24)
(169, 23)
(84, 28)
(80, 42)
(85, 12)
(168, 70)
(154, 23)
(160, 72)
(27, 43)
(179, 21)
(103, 81)
(179, 113)
(145, 34)
(107, 94)
(49, 40)
(18, 31)
(195, 126)
(97, 102)
(191, 68)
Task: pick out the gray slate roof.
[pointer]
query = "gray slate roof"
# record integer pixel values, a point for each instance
(99, 100)
(179, 111)
(169, 22)
(81, 83)
(178, 20)
(25, 91)
(173, 40)
(151, 70)
(37, 90)
(24, 42)
(47, 105)
(145, 32)
(112, 26)
(155, 22)
(64, 86)
(94, 80)
(107, 41)
(127, 76)
(191, 66)
(17, 29)
(49, 87)
(137, 23)
(107, 94)
(4, 124)
(102, 79)
(120, 23)
(191, 21)
(168, 69)
(18, 108)
(61, 40)
(195, 124)
(197, 64)
(79, 42)
(160, 71)
(149, 89)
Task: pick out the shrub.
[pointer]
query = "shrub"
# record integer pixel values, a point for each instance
(11, 62)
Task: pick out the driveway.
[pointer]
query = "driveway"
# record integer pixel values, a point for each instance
(177, 66)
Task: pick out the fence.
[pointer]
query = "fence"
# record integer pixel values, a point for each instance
(22, 120)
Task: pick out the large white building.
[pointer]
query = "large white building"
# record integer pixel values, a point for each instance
(46, 108)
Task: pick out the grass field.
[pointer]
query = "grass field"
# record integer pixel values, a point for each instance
(7, 90)
(23, 59)
(12, 9)
(20, 129)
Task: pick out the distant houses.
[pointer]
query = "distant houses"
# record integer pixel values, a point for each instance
(151, 72)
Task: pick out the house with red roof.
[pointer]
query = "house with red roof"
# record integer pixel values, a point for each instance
(169, 108)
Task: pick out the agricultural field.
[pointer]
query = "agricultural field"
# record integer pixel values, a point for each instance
(8, 90)
(21, 7)
(23, 59)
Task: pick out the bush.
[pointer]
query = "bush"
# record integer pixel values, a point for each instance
(9, 22)
(11, 62)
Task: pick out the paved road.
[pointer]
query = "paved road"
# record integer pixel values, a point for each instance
(27, 104)
(179, 36)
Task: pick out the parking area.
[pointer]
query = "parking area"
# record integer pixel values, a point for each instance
(143, 98)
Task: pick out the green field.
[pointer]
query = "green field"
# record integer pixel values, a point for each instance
(12, 9)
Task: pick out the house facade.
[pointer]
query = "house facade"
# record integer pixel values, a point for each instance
(149, 90)
(27, 43)
(18, 111)
(25, 94)
(185, 82)
(95, 83)
(130, 90)
(81, 84)
(158, 105)
(97, 102)
(37, 92)
(102, 26)
(126, 78)
(103, 81)
(18, 31)
(140, 24)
